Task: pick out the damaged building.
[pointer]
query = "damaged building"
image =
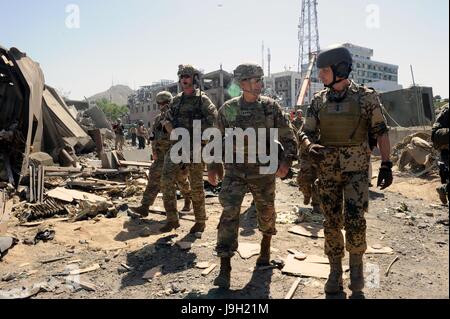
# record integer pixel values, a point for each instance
(36, 123)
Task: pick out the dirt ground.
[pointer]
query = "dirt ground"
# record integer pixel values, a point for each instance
(123, 255)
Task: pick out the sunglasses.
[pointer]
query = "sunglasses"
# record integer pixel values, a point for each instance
(185, 76)
(255, 80)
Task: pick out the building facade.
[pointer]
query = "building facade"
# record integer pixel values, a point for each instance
(381, 76)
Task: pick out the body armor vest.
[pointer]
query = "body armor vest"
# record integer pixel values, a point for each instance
(342, 123)
(255, 116)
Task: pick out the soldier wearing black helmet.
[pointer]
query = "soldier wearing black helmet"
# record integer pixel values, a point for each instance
(343, 118)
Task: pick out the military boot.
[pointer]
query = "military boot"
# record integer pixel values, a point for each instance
(442, 194)
(169, 226)
(334, 283)
(264, 256)
(224, 278)
(198, 228)
(356, 273)
(187, 205)
(141, 210)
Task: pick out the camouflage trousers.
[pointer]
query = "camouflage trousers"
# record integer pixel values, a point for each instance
(168, 187)
(154, 181)
(306, 181)
(120, 142)
(344, 201)
(234, 189)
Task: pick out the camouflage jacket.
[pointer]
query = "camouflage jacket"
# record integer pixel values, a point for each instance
(355, 158)
(185, 109)
(264, 113)
(440, 130)
(298, 123)
(159, 136)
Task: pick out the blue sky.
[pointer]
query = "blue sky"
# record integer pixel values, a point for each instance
(136, 42)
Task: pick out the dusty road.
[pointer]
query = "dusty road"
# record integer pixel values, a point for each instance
(120, 251)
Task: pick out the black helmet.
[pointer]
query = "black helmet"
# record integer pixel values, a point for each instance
(339, 59)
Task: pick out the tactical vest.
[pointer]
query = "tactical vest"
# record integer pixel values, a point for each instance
(256, 115)
(186, 112)
(342, 123)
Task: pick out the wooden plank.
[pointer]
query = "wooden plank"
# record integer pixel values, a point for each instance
(64, 117)
(206, 272)
(137, 164)
(57, 169)
(31, 172)
(82, 283)
(86, 270)
(293, 289)
(52, 260)
(69, 195)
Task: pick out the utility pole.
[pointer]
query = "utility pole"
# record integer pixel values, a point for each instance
(308, 37)
(262, 56)
(416, 91)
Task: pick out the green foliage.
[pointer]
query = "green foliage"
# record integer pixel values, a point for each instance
(112, 110)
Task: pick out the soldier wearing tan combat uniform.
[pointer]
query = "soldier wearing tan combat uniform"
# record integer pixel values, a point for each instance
(343, 118)
(250, 111)
(190, 105)
(299, 121)
(160, 147)
(307, 177)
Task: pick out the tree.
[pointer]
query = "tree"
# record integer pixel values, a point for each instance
(112, 110)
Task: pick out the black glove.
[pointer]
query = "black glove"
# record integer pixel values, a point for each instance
(315, 152)
(385, 178)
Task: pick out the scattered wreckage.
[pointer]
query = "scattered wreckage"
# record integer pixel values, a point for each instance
(49, 155)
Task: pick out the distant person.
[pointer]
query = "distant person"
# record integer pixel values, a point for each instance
(119, 130)
(141, 135)
(133, 131)
(299, 121)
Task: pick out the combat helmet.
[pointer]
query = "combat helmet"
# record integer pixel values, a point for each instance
(164, 97)
(339, 59)
(247, 71)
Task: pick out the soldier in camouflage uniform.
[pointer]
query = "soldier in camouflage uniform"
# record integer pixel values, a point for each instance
(160, 142)
(250, 111)
(346, 116)
(299, 121)
(440, 142)
(192, 104)
(307, 182)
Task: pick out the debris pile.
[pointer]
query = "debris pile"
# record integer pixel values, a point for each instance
(416, 153)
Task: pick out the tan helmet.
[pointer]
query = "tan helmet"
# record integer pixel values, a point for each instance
(187, 69)
(247, 71)
(164, 97)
